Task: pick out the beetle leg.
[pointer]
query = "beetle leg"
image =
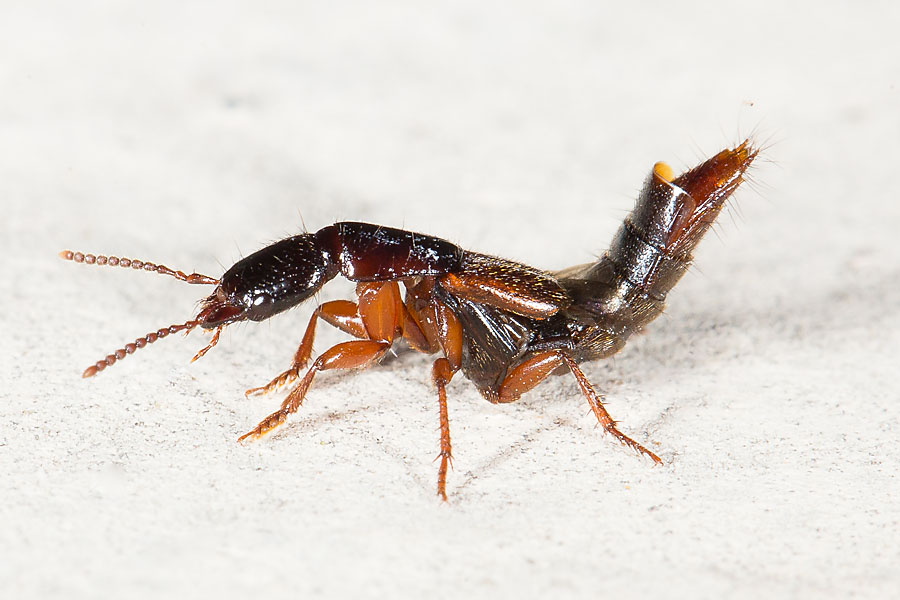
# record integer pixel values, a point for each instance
(450, 337)
(347, 355)
(342, 314)
(528, 374)
(419, 319)
(380, 309)
(441, 374)
(600, 412)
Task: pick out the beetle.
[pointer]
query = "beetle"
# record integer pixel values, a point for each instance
(507, 326)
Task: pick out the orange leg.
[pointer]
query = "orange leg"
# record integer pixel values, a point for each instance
(376, 299)
(348, 355)
(527, 375)
(420, 322)
(435, 327)
(534, 370)
(379, 309)
(450, 335)
(441, 373)
(342, 314)
(413, 334)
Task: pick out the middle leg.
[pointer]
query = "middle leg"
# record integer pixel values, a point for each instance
(441, 373)
(450, 338)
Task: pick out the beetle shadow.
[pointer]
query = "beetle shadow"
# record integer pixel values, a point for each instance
(850, 311)
(840, 311)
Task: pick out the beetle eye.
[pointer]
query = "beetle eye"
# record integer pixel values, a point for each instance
(259, 306)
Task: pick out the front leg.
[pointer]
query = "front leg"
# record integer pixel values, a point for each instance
(348, 355)
(380, 311)
(342, 314)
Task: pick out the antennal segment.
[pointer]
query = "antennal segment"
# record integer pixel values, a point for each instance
(139, 343)
(114, 261)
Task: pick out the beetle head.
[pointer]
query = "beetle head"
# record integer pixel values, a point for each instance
(267, 282)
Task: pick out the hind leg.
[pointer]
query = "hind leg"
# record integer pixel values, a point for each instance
(530, 373)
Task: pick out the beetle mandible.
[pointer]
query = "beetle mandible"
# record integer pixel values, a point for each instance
(507, 326)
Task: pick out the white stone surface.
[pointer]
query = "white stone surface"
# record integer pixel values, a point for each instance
(192, 133)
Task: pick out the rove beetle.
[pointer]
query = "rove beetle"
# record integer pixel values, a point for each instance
(506, 325)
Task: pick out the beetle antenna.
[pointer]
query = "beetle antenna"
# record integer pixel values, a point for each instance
(114, 261)
(139, 343)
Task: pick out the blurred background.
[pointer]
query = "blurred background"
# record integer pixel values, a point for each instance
(193, 133)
